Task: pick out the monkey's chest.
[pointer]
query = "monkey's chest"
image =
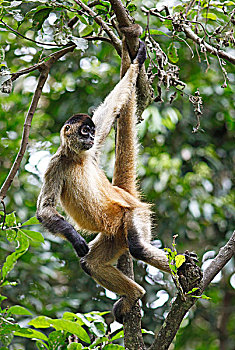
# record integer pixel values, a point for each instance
(86, 199)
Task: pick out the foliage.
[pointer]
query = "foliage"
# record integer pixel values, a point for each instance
(87, 328)
(187, 176)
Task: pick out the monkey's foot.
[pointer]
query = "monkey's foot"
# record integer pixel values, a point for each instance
(119, 309)
(122, 307)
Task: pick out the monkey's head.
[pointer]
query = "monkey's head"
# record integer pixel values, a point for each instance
(78, 133)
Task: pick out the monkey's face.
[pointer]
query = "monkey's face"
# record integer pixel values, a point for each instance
(78, 133)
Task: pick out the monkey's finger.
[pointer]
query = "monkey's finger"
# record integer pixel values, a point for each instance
(82, 249)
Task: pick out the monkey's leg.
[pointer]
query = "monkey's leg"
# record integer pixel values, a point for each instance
(139, 236)
(98, 263)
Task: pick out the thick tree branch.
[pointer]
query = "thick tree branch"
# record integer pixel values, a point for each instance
(172, 323)
(44, 69)
(180, 307)
(132, 322)
(125, 23)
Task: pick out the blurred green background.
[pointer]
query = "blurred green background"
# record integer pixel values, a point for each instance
(187, 176)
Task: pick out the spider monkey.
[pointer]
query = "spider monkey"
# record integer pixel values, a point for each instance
(114, 211)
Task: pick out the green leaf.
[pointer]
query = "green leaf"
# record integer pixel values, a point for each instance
(2, 298)
(98, 328)
(86, 31)
(144, 331)
(60, 325)
(10, 219)
(172, 53)
(74, 346)
(105, 3)
(41, 322)
(157, 32)
(131, 7)
(31, 221)
(35, 236)
(39, 15)
(2, 58)
(7, 283)
(41, 345)
(23, 245)
(193, 290)
(79, 318)
(83, 20)
(71, 327)
(203, 296)
(11, 235)
(19, 310)
(30, 333)
(99, 341)
(179, 260)
(209, 15)
(119, 335)
(173, 268)
(113, 347)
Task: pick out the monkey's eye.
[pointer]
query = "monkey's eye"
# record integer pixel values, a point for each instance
(85, 130)
(67, 128)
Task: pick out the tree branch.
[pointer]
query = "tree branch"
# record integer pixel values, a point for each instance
(26, 38)
(224, 255)
(114, 39)
(44, 69)
(125, 23)
(184, 27)
(222, 54)
(25, 137)
(180, 307)
(52, 58)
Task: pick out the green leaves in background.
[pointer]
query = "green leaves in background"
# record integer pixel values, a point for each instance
(172, 53)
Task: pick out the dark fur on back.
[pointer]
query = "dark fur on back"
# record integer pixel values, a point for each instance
(80, 117)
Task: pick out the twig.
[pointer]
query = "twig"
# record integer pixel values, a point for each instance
(44, 68)
(114, 39)
(191, 35)
(222, 54)
(190, 5)
(179, 38)
(26, 38)
(25, 137)
(5, 213)
(101, 38)
(39, 65)
(94, 3)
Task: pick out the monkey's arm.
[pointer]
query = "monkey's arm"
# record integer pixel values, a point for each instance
(47, 213)
(107, 112)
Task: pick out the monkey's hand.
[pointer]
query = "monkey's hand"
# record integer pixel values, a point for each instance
(80, 246)
(141, 54)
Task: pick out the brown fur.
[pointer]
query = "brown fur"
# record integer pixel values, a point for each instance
(115, 211)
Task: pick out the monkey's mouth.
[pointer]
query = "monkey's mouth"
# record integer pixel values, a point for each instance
(88, 144)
